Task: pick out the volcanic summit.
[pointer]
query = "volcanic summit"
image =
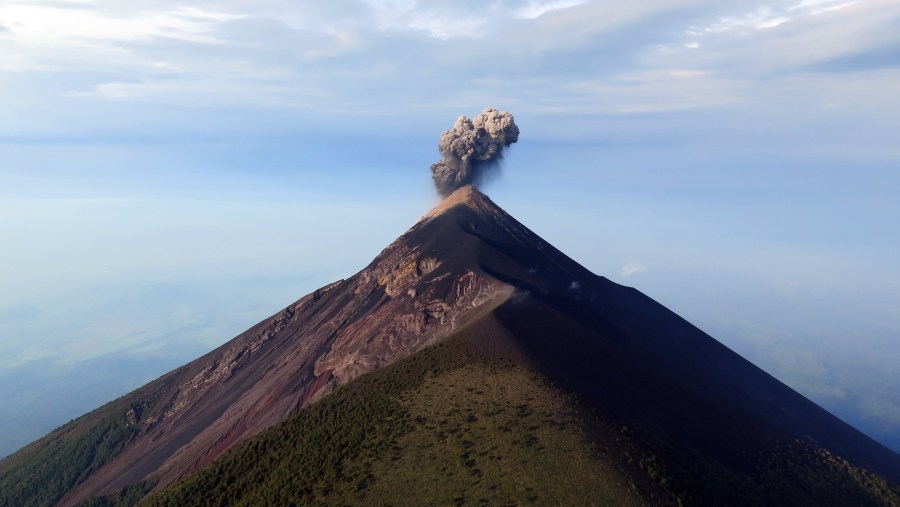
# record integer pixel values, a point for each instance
(470, 363)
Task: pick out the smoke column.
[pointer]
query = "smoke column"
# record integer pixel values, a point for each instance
(472, 148)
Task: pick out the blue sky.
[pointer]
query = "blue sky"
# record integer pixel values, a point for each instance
(172, 172)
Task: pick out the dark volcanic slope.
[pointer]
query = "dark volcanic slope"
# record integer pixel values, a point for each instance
(711, 415)
(647, 367)
(460, 423)
(472, 421)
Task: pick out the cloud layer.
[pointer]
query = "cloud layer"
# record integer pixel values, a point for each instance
(383, 59)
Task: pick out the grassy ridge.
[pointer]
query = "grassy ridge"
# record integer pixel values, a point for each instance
(454, 424)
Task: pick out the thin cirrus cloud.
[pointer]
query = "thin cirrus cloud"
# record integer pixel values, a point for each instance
(47, 26)
(538, 9)
(633, 268)
(769, 40)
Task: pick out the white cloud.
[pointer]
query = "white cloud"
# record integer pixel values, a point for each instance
(816, 7)
(761, 18)
(438, 21)
(48, 26)
(769, 16)
(447, 27)
(780, 37)
(537, 9)
(633, 268)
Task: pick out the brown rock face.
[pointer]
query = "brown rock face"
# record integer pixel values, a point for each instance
(415, 292)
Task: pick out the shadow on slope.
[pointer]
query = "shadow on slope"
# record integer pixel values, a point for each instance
(712, 428)
(462, 422)
(478, 420)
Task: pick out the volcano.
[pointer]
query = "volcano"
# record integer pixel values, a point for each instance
(470, 363)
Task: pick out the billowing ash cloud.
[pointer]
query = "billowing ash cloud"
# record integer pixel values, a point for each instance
(472, 148)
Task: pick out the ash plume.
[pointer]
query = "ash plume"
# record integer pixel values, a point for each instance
(472, 148)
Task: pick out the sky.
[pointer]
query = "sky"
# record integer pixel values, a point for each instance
(173, 172)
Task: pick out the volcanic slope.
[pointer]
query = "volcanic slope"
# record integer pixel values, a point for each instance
(663, 412)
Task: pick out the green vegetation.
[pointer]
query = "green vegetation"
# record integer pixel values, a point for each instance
(823, 472)
(127, 497)
(459, 423)
(788, 473)
(453, 425)
(45, 471)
